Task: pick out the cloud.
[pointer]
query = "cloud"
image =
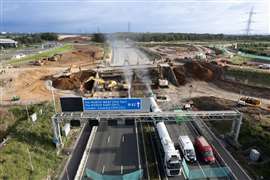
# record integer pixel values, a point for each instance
(200, 16)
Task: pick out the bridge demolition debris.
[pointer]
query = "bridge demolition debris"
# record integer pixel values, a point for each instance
(85, 80)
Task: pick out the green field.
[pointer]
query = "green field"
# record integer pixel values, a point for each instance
(254, 77)
(35, 57)
(29, 140)
(239, 59)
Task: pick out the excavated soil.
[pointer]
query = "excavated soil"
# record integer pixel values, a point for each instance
(210, 72)
(73, 81)
(198, 71)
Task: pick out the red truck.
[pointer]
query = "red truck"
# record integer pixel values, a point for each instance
(205, 150)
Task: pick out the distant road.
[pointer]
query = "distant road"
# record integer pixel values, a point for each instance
(126, 54)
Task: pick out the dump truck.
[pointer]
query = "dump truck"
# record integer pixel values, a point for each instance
(249, 101)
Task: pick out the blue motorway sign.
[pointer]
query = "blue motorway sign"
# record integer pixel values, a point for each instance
(117, 104)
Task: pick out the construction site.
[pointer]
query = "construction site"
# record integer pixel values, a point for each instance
(185, 76)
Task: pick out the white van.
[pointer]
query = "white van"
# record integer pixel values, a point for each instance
(187, 148)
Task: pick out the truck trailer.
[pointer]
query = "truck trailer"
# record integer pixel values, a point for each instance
(170, 156)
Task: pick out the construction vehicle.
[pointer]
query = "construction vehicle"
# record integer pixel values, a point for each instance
(249, 101)
(15, 98)
(110, 85)
(100, 82)
(170, 155)
(163, 83)
(205, 150)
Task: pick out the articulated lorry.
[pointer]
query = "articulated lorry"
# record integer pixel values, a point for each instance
(170, 156)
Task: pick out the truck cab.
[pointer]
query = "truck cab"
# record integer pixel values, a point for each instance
(187, 148)
(205, 150)
(173, 163)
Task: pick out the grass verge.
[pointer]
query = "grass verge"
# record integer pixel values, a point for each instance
(147, 133)
(45, 54)
(254, 77)
(29, 140)
(237, 60)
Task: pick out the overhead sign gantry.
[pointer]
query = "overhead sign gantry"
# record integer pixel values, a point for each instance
(126, 110)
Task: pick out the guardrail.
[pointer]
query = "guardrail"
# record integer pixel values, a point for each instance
(86, 154)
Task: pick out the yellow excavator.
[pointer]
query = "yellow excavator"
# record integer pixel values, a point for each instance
(100, 82)
(111, 84)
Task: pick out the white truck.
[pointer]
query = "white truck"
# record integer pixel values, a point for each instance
(170, 156)
(154, 107)
(187, 148)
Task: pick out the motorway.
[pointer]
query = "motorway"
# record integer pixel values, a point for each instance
(175, 130)
(126, 54)
(114, 150)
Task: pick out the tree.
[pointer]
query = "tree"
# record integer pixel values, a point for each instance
(99, 37)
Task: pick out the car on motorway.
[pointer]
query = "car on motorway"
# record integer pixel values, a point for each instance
(187, 148)
(205, 150)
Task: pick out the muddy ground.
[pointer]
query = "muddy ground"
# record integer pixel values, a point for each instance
(30, 82)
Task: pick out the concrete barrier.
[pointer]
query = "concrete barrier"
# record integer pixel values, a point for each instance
(86, 154)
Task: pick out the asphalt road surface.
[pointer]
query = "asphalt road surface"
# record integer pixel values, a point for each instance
(72, 166)
(126, 54)
(114, 150)
(175, 130)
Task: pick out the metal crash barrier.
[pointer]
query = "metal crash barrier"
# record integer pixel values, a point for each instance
(136, 175)
(205, 173)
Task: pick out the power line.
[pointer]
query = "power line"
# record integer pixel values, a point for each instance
(249, 21)
(128, 26)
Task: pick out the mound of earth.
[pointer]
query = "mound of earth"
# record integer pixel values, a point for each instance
(180, 74)
(197, 70)
(73, 81)
(67, 83)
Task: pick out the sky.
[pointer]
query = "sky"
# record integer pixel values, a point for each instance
(88, 16)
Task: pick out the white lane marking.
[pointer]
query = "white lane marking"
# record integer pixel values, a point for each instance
(103, 169)
(121, 169)
(138, 148)
(123, 138)
(108, 140)
(202, 170)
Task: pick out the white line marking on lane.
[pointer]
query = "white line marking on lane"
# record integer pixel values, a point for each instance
(108, 140)
(201, 169)
(103, 169)
(121, 169)
(123, 138)
(138, 148)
